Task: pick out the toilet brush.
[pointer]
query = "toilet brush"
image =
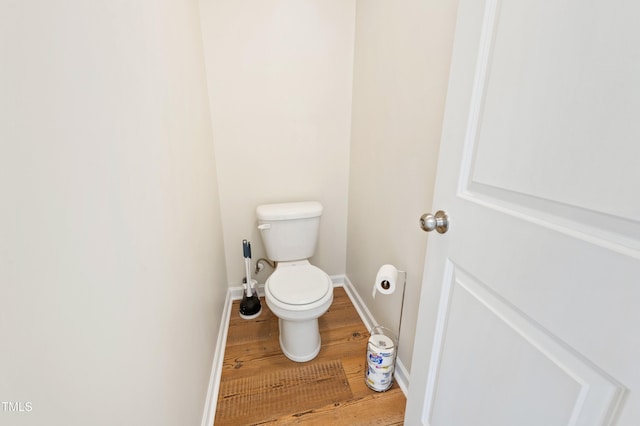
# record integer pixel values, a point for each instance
(250, 304)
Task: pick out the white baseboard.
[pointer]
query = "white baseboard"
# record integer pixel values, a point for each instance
(216, 369)
(235, 293)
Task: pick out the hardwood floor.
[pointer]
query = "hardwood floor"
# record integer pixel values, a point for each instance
(260, 386)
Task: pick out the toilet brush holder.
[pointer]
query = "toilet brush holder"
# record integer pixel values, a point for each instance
(250, 306)
(382, 349)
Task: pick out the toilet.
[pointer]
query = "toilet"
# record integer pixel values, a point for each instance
(297, 292)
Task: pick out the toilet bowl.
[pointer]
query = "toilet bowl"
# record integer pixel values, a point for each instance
(298, 293)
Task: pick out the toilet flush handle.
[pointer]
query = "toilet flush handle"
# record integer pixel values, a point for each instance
(264, 226)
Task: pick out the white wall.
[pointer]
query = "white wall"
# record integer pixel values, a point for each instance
(279, 74)
(112, 262)
(402, 55)
(112, 277)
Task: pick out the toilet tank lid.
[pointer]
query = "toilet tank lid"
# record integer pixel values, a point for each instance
(286, 211)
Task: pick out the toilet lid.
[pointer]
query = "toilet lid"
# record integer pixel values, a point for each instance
(299, 285)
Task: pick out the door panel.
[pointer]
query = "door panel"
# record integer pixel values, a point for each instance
(574, 64)
(528, 311)
(583, 137)
(496, 363)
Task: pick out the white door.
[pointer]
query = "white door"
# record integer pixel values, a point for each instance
(530, 308)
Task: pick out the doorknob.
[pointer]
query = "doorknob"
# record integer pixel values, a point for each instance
(439, 222)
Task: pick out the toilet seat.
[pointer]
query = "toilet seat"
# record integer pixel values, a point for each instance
(298, 293)
(299, 285)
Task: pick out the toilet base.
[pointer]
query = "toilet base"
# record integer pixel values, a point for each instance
(299, 340)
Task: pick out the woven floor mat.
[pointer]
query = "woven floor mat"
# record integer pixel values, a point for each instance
(265, 397)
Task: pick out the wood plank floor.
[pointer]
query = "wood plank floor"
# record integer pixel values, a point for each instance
(260, 386)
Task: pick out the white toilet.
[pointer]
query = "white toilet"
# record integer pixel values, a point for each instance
(297, 292)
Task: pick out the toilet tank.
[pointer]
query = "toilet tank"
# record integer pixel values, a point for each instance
(289, 230)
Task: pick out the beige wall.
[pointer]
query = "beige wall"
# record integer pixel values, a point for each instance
(112, 254)
(112, 281)
(279, 74)
(281, 77)
(402, 54)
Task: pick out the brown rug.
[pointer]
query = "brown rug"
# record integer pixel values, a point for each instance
(261, 398)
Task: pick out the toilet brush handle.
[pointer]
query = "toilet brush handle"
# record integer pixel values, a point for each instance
(246, 249)
(246, 252)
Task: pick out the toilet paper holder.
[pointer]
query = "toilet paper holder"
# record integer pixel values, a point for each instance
(386, 279)
(383, 343)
